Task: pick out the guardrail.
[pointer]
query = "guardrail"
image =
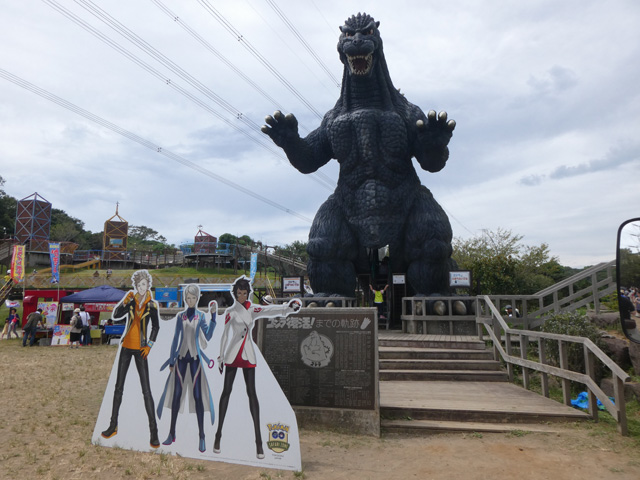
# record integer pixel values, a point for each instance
(586, 288)
(502, 337)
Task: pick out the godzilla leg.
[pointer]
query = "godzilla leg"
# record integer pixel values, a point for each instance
(332, 252)
(428, 246)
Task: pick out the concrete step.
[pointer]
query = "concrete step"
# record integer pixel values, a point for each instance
(438, 364)
(433, 353)
(443, 375)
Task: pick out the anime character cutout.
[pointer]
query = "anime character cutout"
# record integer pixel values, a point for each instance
(237, 352)
(140, 310)
(187, 362)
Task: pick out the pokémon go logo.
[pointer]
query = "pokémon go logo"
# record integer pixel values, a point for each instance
(278, 437)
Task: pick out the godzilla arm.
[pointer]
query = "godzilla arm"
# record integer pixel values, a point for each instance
(432, 135)
(305, 154)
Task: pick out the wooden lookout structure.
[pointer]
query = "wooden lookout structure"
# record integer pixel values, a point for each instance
(204, 243)
(114, 243)
(33, 223)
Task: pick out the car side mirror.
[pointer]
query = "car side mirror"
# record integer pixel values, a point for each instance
(628, 277)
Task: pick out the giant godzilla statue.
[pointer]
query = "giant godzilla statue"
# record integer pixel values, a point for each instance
(373, 132)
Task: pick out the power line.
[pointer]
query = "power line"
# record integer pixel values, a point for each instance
(144, 142)
(215, 52)
(246, 44)
(323, 180)
(303, 41)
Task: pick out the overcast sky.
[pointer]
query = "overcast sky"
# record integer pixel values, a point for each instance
(545, 95)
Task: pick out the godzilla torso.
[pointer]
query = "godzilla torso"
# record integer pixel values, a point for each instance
(376, 178)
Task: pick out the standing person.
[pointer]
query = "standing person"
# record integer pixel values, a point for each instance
(238, 352)
(378, 299)
(192, 333)
(86, 326)
(76, 329)
(13, 320)
(139, 309)
(5, 330)
(31, 327)
(626, 307)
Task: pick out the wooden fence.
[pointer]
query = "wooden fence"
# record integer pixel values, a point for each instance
(502, 337)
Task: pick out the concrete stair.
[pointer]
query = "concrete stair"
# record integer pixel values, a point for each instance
(431, 384)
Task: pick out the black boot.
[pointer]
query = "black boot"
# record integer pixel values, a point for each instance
(259, 451)
(216, 443)
(111, 431)
(154, 441)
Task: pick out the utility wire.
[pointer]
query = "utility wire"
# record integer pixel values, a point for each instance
(328, 180)
(325, 181)
(303, 42)
(246, 44)
(142, 141)
(162, 59)
(215, 52)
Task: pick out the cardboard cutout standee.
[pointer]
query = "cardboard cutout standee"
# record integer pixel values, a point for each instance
(185, 379)
(140, 310)
(192, 332)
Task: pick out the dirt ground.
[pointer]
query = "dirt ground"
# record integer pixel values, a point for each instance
(43, 438)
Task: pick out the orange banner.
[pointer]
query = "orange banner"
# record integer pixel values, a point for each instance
(18, 263)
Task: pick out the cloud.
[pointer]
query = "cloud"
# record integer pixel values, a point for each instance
(615, 158)
(557, 80)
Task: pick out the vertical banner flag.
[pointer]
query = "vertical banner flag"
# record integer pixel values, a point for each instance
(17, 263)
(254, 265)
(54, 254)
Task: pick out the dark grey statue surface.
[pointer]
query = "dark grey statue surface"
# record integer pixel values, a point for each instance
(373, 132)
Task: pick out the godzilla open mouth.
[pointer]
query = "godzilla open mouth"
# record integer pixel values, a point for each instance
(360, 64)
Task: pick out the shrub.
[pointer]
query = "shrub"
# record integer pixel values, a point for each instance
(576, 325)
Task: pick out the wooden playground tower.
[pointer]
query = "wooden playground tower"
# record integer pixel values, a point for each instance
(114, 242)
(33, 223)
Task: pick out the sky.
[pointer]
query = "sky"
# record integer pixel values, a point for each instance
(155, 106)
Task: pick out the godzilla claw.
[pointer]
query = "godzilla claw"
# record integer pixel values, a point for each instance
(280, 128)
(436, 120)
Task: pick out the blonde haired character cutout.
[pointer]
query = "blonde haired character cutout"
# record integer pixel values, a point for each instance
(140, 310)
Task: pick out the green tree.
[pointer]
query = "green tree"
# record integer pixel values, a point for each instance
(65, 228)
(8, 206)
(141, 237)
(296, 250)
(233, 239)
(502, 264)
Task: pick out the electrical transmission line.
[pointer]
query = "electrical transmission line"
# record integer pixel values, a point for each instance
(323, 180)
(144, 142)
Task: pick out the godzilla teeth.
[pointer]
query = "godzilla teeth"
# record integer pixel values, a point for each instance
(360, 64)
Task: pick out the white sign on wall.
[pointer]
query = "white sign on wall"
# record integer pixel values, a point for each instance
(460, 278)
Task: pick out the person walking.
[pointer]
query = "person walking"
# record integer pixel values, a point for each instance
(13, 320)
(86, 326)
(76, 329)
(29, 331)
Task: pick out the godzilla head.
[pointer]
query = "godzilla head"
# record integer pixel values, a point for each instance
(359, 44)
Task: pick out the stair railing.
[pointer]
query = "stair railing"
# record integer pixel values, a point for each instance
(502, 337)
(6, 290)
